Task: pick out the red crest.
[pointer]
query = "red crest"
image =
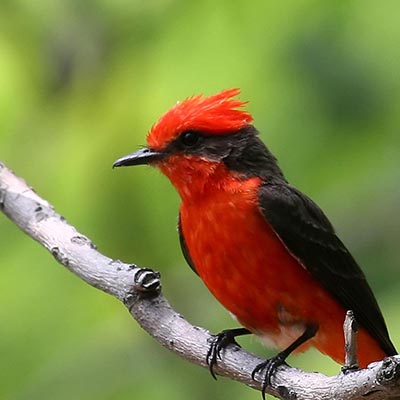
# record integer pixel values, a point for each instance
(218, 114)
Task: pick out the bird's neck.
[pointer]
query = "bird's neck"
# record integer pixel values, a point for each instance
(200, 179)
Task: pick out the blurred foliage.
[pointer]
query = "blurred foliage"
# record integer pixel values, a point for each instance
(81, 82)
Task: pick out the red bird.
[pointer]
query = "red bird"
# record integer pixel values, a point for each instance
(264, 249)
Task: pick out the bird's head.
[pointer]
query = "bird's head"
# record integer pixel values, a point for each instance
(202, 141)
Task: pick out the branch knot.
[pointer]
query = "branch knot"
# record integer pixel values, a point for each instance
(147, 281)
(389, 373)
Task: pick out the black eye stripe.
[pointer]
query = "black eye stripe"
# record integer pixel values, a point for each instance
(241, 151)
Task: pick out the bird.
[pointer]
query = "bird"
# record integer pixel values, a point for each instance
(265, 250)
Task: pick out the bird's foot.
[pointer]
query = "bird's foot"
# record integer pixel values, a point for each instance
(267, 369)
(218, 343)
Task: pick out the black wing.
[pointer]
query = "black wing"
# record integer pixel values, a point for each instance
(309, 236)
(185, 250)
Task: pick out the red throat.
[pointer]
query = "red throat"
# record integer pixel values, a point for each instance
(194, 177)
(218, 114)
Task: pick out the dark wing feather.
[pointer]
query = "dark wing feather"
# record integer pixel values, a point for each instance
(309, 236)
(185, 250)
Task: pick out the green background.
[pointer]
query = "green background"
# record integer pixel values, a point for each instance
(81, 82)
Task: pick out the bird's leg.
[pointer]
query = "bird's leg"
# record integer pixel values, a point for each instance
(268, 367)
(219, 342)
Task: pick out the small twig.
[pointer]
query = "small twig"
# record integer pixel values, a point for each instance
(350, 328)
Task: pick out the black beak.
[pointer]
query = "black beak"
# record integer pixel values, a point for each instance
(142, 156)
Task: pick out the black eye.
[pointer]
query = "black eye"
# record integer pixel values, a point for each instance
(190, 138)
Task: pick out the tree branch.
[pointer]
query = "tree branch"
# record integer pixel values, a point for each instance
(140, 290)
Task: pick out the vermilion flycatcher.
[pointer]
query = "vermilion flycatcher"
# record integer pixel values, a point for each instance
(264, 249)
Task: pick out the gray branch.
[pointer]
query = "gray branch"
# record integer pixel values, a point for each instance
(140, 291)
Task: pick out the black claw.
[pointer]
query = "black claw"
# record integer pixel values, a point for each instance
(218, 343)
(268, 369)
(214, 352)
